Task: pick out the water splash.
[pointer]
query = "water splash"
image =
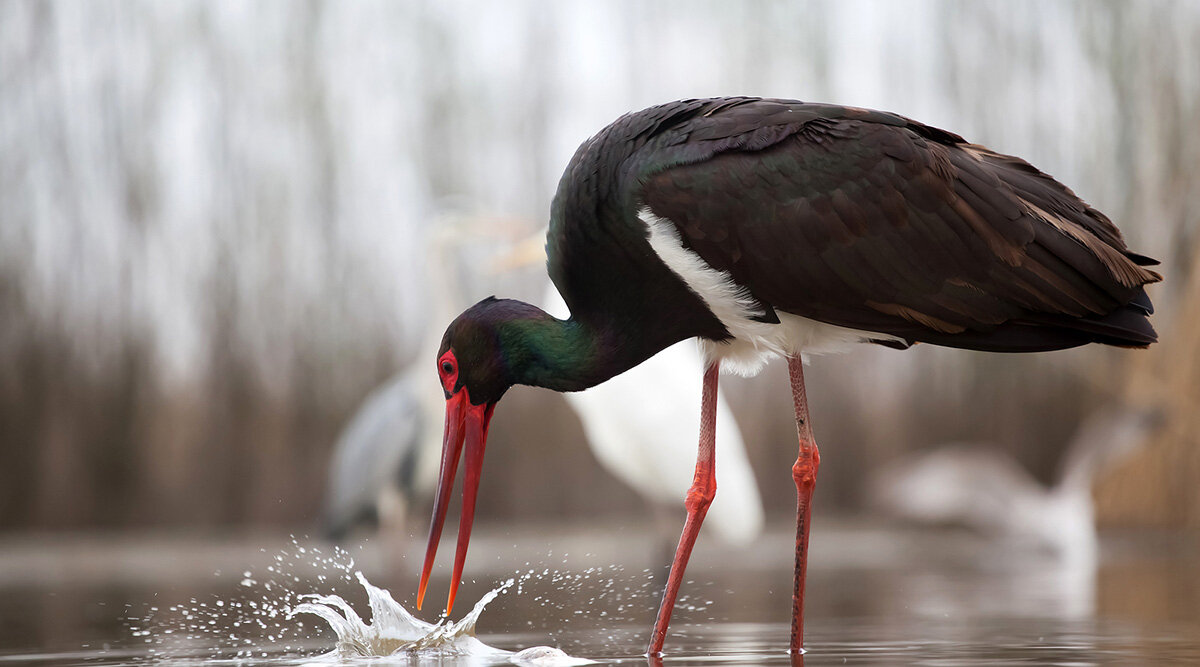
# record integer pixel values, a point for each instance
(266, 624)
(393, 629)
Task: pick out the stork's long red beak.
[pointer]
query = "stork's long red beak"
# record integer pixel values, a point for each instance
(469, 423)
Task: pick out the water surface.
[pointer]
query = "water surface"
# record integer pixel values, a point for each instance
(877, 596)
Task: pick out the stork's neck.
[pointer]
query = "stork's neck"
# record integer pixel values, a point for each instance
(564, 355)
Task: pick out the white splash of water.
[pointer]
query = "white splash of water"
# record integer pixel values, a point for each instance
(262, 621)
(393, 631)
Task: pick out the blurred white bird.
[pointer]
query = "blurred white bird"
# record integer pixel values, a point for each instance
(982, 488)
(623, 420)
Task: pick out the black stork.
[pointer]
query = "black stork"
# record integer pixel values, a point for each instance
(768, 227)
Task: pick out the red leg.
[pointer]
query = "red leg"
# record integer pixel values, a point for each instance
(699, 497)
(804, 472)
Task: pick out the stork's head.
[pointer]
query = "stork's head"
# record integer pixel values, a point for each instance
(479, 358)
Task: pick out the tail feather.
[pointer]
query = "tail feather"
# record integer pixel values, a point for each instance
(1141, 260)
(1142, 302)
(1127, 326)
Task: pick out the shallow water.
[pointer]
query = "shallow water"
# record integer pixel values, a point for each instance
(876, 597)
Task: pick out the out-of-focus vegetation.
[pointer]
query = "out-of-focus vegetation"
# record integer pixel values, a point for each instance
(213, 220)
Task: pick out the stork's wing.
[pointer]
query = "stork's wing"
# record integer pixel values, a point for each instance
(898, 228)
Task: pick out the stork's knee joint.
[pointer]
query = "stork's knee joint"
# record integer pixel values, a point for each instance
(699, 498)
(804, 471)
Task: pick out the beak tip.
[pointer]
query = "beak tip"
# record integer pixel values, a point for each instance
(421, 592)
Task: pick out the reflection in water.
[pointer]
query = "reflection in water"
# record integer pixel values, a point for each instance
(879, 596)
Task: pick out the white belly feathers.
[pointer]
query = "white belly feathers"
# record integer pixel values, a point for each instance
(754, 342)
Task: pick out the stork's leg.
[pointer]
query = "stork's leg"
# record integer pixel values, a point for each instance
(804, 472)
(699, 497)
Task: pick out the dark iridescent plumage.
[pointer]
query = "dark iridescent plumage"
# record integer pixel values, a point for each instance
(852, 217)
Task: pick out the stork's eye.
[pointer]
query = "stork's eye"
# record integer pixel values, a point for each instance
(448, 370)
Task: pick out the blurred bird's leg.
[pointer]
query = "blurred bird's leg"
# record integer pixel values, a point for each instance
(699, 497)
(392, 534)
(662, 549)
(393, 509)
(804, 472)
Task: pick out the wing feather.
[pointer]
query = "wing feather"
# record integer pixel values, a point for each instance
(867, 220)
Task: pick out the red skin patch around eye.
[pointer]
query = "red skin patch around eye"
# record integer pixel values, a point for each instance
(449, 379)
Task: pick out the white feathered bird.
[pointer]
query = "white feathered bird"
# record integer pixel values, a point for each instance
(623, 417)
(982, 488)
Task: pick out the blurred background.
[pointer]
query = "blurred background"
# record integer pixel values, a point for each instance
(216, 221)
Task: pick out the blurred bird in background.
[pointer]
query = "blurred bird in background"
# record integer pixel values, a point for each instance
(623, 418)
(373, 477)
(980, 487)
